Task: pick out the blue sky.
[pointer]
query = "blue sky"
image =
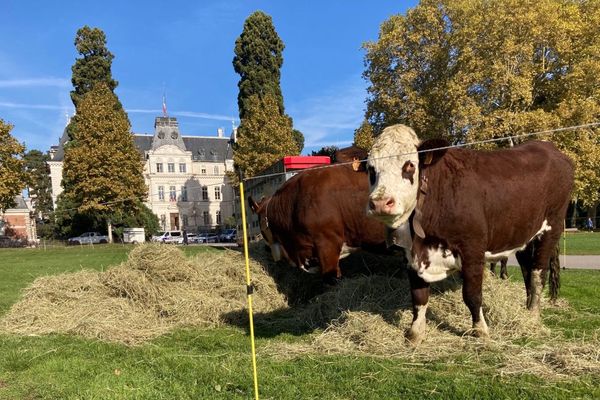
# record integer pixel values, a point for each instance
(186, 48)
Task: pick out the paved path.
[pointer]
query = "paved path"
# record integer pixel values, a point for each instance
(571, 262)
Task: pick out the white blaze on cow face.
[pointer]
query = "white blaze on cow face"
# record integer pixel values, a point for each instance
(393, 168)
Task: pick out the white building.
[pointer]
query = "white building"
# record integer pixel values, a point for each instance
(186, 176)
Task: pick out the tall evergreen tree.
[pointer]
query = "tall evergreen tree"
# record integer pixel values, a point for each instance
(102, 171)
(93, 66)
(13, 177)
(264, 136)
(258, 59)
(40, 184)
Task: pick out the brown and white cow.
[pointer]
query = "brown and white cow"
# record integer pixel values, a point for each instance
(318, 217)
(465, 206)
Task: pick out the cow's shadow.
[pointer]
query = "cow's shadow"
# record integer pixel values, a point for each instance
(371, 283)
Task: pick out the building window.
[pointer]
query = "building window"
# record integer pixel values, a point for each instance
(161, 193)
(218, 217)
(171, 167)
(216, 170)
(182, 167)
(185, 220)
(206, 217)
(172, 193)
(217, 193)
(159, 167)
(203, 170)
(183, 193)
(204, 193)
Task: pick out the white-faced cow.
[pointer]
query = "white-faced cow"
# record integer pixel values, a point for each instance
(318, 217)
(465, 205)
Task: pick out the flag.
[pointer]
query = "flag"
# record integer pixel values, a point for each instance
(164, 106)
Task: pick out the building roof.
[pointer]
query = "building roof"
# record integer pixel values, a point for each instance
(203, 148)
(213, 149)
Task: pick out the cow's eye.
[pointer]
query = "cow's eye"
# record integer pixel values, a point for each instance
(372, 175)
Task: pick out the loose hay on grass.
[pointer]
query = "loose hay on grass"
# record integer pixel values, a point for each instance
(158, 289)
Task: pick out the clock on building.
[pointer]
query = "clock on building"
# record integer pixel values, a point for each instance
(174, 135)
(161, 134)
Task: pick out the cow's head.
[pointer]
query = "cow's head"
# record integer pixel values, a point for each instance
(260, 209)
(393, 168)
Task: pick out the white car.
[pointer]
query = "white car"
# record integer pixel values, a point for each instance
(168, 237)
(208, 238)
(88, 238)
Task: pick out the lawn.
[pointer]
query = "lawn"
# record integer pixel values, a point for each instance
(580, 243)
(216, 364)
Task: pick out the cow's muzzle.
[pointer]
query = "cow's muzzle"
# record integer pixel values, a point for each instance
(383, 205)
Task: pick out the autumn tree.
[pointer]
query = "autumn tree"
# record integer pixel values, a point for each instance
(102, 173)
(264, 136)
(364, 136)
(471, 70)
(258, 60)
(13, 177)
(40, 186)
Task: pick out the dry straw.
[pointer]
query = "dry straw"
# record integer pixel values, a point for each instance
(158, 289)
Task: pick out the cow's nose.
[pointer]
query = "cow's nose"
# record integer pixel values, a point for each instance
(382, 206)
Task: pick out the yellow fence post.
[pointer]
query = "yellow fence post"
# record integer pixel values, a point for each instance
(249, 288)
(565, 244)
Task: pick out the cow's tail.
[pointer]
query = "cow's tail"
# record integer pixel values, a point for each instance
(554, 275)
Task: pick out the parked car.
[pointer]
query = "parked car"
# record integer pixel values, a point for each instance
(230, 235)
(88, 238)
(168, 237)
(192, 238)
(208, 238)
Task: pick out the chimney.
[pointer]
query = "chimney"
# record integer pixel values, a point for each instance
(220, 132)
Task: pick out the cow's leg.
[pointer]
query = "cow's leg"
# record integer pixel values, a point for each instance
(525, 259)
(472, 271)
(328, 253)
(503, 268)
(544, 249)
(493, 267)
(419, 290)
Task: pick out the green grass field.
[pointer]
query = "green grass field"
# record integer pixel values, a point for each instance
(216, 363)
(580, 243)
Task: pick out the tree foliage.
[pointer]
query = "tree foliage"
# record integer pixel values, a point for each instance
(364, 136)
(470, 70)
(264, 136)
(13, 177)
(40, 186)
(93, 66)
(102, 173)
(326, 151)
(258, 59)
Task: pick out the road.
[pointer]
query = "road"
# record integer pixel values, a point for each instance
(571, 262)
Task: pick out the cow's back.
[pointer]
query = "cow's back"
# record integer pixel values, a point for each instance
(501, 198)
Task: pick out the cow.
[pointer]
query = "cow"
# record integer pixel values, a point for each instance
(318, 217)
(466, 205)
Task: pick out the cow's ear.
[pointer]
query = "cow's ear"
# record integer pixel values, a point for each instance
(253, 205)
(432, 150)
(359, 165)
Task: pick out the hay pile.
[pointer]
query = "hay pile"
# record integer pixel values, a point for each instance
(154, 291)
(158, 289)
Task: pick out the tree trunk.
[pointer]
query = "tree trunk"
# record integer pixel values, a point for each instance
(110, 238)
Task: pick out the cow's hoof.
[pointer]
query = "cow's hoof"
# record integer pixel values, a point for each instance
(414, 338)
(504, 276)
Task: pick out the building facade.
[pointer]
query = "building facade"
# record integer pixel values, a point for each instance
(17, 223)
(186, 176)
